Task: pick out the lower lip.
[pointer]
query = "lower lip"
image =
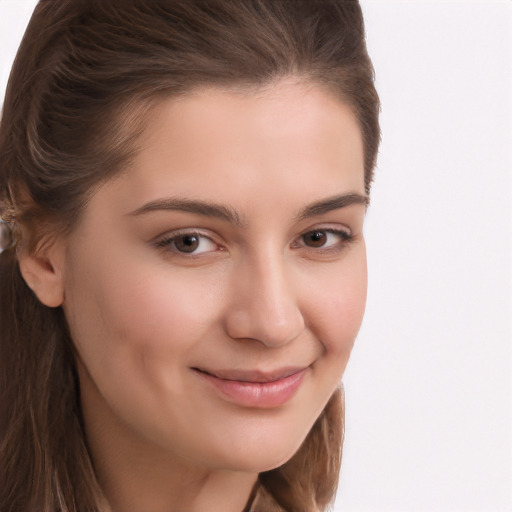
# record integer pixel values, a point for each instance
(257, 394)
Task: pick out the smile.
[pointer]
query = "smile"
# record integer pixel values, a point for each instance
(255, 389)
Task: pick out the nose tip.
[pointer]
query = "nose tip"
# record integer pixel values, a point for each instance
(283, 328)
(266, 310)
(273, 326)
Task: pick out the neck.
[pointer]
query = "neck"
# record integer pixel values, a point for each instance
(213, 492)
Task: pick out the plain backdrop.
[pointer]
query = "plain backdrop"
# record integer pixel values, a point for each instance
(428, 388)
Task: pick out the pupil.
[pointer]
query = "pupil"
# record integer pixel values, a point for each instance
(316, 239)
(187, 243)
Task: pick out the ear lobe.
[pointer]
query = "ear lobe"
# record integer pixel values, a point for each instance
(43, 275)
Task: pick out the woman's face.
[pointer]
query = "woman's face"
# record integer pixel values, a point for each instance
(214, 290)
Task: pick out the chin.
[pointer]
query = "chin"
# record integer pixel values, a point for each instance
(256, 453)
(258, 462)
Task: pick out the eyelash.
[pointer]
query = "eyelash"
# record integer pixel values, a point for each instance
(168, 243)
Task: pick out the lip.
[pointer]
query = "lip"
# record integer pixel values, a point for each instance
(254, 388)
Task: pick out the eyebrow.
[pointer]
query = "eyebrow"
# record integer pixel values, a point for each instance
(333, 203)
(231, 215)
(204, 208)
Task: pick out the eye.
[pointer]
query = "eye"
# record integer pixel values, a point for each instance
(325, 238)
(192, 243)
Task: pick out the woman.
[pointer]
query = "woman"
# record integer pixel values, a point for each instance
(187, 184)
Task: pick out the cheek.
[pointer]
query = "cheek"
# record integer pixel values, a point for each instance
(128, 321)
(165, 310)
(339, 303)
(135, 305)
(136, 329)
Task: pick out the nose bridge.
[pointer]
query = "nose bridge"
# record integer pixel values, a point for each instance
(265, 303)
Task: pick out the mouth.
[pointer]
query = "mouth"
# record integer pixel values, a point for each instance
(255, 388)
(252, 376)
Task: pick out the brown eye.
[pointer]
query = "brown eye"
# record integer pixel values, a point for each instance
(315, 239)
(186, 243)
(325, 239)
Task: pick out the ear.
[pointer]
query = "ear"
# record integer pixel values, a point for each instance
(43, 273)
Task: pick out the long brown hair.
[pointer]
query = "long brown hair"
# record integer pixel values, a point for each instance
(86, 76)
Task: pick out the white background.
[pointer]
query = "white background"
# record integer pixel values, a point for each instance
(429, 393)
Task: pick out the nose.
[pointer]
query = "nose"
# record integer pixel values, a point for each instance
(264, 304)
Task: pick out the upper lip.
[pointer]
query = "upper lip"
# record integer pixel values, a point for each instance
(256, 376)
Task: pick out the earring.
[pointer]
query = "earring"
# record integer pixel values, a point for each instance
(8, 236)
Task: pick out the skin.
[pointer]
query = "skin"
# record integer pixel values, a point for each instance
(256, 295)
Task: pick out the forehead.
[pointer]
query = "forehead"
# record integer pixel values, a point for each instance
(287, 140)
(273, 114)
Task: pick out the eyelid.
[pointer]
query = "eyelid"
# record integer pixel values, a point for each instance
(330, 228)
(184, 231)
